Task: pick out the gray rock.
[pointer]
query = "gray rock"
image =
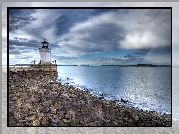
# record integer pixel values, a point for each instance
(131, 123)
(45, 109)
(53, 121)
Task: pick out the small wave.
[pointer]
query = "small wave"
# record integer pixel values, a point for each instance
(162, 112)
(144, 107)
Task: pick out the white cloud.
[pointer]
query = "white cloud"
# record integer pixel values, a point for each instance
(143, 41)
(137, 36)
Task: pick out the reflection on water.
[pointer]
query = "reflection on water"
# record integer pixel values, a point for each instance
(144, 87)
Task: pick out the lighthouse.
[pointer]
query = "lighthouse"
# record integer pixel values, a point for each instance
(45, 66)
(45, 53)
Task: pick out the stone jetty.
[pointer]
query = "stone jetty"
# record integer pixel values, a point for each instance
(36, 98)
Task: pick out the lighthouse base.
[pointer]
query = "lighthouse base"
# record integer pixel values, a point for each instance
(45, 67)
(45, 70)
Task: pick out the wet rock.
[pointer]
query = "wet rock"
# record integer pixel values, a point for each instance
(61, 114)
(65, 95)
(53, 121)
(65, 121)
(131, 112)
(72, 113)
(72, 96)
(53, 110)
(67, 116)
(36, 123)
(45, 109)
(45, 122)
(120, 123)
(11, 114)
(27, 105)
(25, 109)
(21, 121)
(131, 123)
(72, 123)
(93, 117)
(30, 117)
(12, 104)
(52, 124)
(12, 95)
(47, 103)
(114, 123)
(96, 123)
(14, 98)
(33, 98)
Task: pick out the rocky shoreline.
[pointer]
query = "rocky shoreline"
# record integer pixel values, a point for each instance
(36, 99)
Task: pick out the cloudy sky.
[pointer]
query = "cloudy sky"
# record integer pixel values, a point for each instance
(91, 36)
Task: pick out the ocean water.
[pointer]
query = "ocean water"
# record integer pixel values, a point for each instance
(147, 88)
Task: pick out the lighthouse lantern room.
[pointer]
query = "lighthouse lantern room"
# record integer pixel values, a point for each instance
(45, 53)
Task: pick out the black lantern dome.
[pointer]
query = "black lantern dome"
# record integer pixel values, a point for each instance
(45, 44)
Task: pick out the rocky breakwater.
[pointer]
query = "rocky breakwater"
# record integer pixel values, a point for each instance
(36, 100)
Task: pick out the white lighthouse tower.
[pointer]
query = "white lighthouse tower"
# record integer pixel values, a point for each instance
(45, 53)
(45, 66)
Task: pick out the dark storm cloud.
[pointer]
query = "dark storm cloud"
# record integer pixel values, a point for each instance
(17, 46)
(100, 34)
(23, 43)
(128, 56)
(142, 52)
(139, 53)
(164, 14)
(19, 22)
(21, 12)
(163, 50)
(20, 18)
(159, 13)
(92, 37)
(71, 17)
(15, 52)
(68, 18)
(157, 51)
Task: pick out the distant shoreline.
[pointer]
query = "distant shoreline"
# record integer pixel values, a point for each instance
(140, 65)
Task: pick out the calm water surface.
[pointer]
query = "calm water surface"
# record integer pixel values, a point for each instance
(145, 87)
